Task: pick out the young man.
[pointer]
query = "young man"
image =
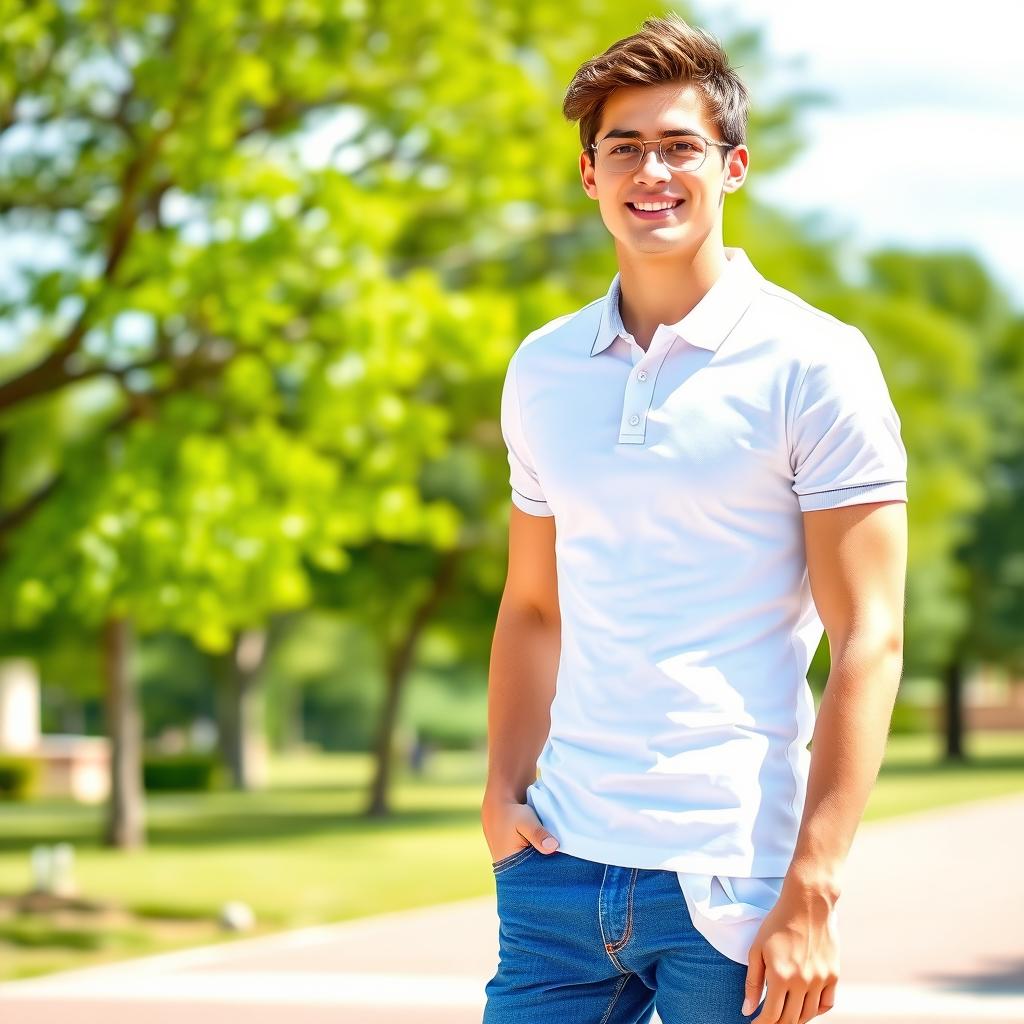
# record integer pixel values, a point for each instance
(707, 473)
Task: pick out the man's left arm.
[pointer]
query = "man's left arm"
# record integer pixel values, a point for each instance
(856, 563)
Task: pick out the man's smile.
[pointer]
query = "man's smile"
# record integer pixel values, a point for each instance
(655, 209)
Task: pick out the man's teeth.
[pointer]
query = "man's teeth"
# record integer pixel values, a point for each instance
(657, 206)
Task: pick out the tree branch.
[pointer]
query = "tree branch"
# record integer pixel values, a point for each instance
(288, 109)
(51, 373)
(139, 407)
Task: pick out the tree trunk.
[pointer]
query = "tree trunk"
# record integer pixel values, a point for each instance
(244, 740)
(399, 662)
(954, 719)
(125, 824)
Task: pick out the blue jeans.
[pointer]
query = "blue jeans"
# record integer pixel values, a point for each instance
(588, 943)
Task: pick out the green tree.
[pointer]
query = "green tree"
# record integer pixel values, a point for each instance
(952, 336)
(171, 526)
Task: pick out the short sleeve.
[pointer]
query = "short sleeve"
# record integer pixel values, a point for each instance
(845, 439)
(526, 492)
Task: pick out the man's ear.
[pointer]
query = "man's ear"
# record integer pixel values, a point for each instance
(737, 163)
(587, 175)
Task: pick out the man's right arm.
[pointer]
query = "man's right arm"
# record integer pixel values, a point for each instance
(521, 683)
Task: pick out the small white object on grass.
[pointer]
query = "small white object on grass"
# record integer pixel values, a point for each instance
(237, 916)
(42, 869)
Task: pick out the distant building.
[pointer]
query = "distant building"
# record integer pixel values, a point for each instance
(75, 766)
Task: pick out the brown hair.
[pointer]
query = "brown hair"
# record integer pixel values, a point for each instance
(664, 50)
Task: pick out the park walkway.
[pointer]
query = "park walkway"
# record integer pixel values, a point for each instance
(931, 924)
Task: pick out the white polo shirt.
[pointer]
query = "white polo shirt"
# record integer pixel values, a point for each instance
(677, 478)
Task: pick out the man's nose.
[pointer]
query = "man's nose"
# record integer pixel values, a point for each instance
(652, 168)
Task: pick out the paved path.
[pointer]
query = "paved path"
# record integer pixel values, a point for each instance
(931, 924)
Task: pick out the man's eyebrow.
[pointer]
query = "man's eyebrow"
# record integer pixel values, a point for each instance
(632, 133)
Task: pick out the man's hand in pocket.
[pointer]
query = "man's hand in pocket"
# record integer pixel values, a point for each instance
(510, 826)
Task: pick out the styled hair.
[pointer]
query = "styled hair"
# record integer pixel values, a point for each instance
(664, 50)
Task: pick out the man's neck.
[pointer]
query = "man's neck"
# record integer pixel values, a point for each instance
(662, 290)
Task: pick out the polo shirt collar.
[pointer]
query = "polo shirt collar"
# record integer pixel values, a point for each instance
(709, 322)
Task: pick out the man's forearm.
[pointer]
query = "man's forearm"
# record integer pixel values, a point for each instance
(521, 685)
(847, 750)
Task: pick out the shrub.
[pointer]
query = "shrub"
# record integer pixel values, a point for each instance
(181, 772)
(18, 777)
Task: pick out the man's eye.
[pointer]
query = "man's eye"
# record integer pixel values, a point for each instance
(623, 149)
(682, 147)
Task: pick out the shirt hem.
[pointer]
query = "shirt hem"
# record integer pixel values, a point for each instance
(853, 494)
(530, 505)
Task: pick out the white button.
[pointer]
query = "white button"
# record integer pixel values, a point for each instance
(642, 375)
(634, 419)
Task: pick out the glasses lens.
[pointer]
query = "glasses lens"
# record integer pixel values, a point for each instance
(618, 154)
(682, 153)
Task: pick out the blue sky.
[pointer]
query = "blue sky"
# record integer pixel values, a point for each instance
(934, 85)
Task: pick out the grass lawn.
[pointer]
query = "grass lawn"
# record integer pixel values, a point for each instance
(299, 852)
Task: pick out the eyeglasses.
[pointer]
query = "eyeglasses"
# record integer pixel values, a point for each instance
(678, 152)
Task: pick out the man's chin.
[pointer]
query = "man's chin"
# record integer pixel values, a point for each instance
(666, 239)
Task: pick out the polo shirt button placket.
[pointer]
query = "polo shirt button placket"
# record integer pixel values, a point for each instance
(635, 394)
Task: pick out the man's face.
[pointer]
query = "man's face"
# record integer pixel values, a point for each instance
(652, 110)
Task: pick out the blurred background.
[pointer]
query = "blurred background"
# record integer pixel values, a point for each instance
(264, 264)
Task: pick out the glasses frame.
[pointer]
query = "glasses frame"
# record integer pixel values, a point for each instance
(644, 143)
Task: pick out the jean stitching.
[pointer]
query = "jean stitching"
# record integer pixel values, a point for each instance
(600, 908)
(629, 915)
(511, 859)
(609, 947)
(600, 923)
(619, 966)
(615, 998)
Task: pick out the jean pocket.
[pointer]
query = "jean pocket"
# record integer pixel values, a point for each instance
(512, 859)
